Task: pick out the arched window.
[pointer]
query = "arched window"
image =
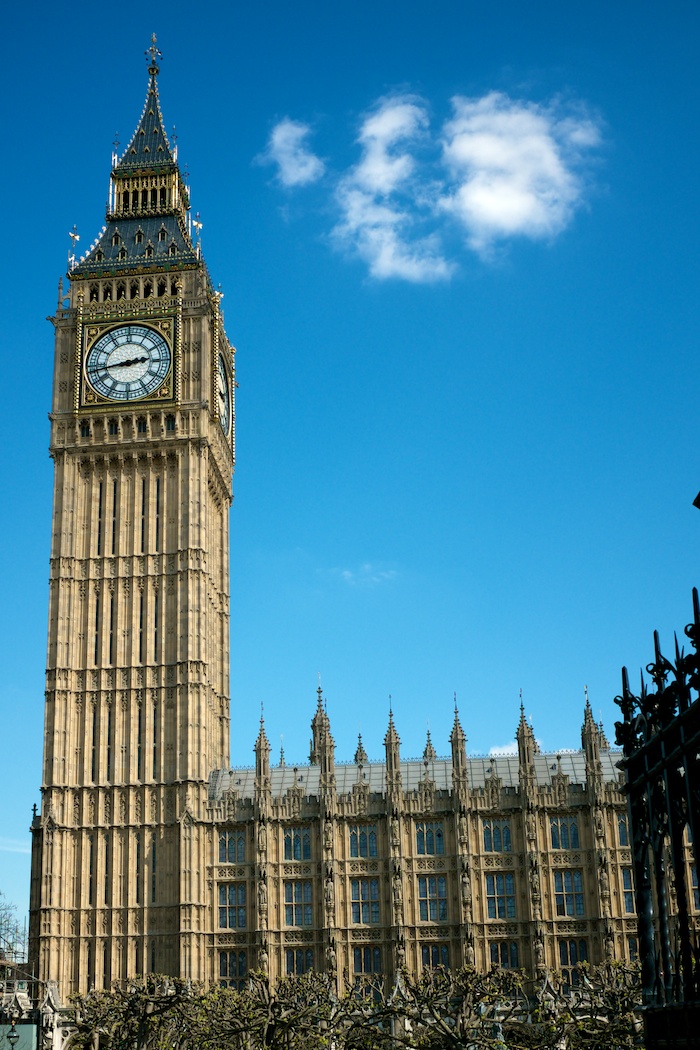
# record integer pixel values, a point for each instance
(121, 289)
(134, 290)
(94, 293)
(116, 239)
(162, 233)
(622, 832)
(162, 287)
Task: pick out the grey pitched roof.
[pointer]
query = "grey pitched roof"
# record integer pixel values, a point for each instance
(505, 767)
(130, 253)
(149, 146)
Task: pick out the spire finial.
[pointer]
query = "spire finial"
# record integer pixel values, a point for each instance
(262, 712)
(522, 708)
(153, 54)
(585, 693)
(360, 753)
(429, 751)
(74, 238)
(454, 697)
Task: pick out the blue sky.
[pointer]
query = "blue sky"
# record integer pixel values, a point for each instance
(458, 247)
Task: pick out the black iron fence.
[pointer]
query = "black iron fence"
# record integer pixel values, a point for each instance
(660, 737)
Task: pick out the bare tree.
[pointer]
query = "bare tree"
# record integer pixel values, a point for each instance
(439, 1010)
(13, 939)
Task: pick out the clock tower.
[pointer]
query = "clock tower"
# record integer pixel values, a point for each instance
(137, 682)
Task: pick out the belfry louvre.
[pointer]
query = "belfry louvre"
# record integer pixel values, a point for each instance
(150, 854)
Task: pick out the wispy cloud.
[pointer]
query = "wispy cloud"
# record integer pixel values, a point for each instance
(379, 202)
(14, 846)
(296, 165)
(498, 169)
(366, 575)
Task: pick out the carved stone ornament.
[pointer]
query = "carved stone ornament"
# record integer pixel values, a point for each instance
(465, 883)
(262, 838)
(463, 831)
(395, 833)
(492, 791)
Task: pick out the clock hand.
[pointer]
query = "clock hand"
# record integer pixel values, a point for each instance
(125, 364)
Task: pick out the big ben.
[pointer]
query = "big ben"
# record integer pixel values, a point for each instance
(137, 682)
(150, 854)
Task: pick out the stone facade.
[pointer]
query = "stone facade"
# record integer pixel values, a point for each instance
(521, 860)
(143, 858)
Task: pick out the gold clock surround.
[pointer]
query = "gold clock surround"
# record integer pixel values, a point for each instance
(90, 398)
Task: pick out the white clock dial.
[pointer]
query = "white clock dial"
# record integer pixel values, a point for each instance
(128, 363)
(224, 395)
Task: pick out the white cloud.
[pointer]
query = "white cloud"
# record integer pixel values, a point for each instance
(512, 167)
(499, 168)
(378, 201)
(506, 749)
(509, 749)
(296, 165)
(366, 575)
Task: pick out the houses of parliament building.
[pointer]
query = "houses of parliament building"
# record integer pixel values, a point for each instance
(150, 853)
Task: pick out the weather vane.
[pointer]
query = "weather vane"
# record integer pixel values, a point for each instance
(153, 54)
(75, 237)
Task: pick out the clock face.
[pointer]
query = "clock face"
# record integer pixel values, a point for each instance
(128, 363)
(224, 395)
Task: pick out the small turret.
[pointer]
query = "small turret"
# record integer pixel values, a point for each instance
(590, 742)
(458, 743)
(429, 751)
(262, 763)
(322, 751)
(393, 757)
(360, 753)
(527, 745)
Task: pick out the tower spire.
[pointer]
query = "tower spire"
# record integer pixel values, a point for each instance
(147, 211)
